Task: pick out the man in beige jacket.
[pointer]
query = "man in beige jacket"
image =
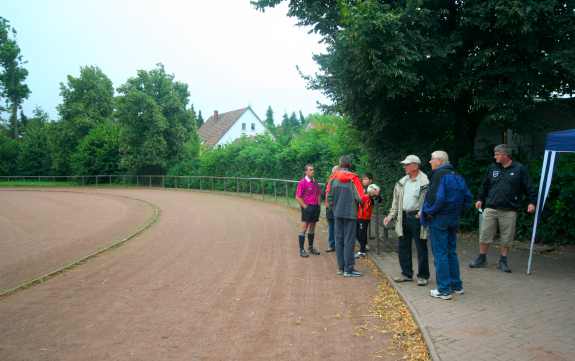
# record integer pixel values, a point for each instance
(408, 196)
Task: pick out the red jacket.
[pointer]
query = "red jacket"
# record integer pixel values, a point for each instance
(365, 210)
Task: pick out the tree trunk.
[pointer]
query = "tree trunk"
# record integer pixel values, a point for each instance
(466, 126)
(14, 120)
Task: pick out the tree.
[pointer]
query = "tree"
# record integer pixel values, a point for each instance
(156, 126)
(143, 147)
(12, 75)
(302, 119)
(87, 100)
(433, 70)
(269, 122)
(99, 151)
(8, 153)
(34, 157)
(200, 120)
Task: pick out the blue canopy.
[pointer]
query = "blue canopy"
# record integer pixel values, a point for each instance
(561, 141)
(557, 142)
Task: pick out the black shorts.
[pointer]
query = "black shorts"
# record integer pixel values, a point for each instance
(310, 214)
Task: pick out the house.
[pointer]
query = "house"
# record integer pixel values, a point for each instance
(224, 128)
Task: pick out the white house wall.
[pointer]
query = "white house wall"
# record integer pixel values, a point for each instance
(236, 131)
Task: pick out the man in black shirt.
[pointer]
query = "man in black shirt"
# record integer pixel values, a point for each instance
(500, 197)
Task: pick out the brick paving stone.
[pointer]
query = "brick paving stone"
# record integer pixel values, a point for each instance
(501, 316)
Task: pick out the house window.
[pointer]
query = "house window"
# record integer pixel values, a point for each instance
(253, 126)
(243, 126)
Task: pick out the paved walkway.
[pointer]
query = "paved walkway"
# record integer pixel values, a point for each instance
(501, 316)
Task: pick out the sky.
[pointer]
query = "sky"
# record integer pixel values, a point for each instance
(228, 53)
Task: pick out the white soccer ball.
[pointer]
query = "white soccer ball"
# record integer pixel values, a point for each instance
(372, 188)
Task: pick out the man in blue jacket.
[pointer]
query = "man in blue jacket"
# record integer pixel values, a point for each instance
(447, 196)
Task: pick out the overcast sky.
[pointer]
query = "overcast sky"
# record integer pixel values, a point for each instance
(228, 53)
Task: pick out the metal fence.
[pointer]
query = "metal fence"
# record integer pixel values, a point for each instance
(278, 190)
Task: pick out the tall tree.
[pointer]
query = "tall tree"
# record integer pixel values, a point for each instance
(87, 101)
(200, 120)
(302, 119)
(34, 157)
(156, 126)
(399, 67)
(269, 122)
(12, 75)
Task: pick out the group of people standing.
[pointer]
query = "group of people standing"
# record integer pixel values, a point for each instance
(422, 208)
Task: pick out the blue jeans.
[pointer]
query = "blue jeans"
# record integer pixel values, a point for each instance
(331, 233)
(345, 230)
(443, 235)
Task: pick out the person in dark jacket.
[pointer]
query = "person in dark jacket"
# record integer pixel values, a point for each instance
(447, 196)
(329, 215)
(499, 198)
(345, 195)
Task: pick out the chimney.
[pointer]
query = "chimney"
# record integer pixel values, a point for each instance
(216, 115)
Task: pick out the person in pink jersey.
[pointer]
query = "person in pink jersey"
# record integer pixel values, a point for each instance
(308, 195)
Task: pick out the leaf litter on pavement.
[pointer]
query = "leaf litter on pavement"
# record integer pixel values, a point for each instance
(388, 306)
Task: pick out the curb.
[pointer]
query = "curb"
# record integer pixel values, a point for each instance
(426, 336)
(115, 244)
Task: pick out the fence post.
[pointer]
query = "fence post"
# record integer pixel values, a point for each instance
(275, 191)
(250, 182)
(96, 181)
(263, 190)
(287, 200)
(377, 229)
(225, 184)
(237, 185)
(213, 186)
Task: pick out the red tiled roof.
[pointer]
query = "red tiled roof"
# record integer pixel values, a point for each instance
(214, 129)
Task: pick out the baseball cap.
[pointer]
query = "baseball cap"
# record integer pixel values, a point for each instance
(411, 159)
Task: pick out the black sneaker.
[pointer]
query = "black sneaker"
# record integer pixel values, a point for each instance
(479, 262)
(313, 251)
(303, 253)
(503, 267)
(330, 250)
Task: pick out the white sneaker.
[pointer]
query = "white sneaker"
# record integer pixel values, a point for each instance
(459, 292)
(360, 254)
(435, 293)
(422, 281)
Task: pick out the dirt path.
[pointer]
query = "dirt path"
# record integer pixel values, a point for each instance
(41, 231)
(217, 278)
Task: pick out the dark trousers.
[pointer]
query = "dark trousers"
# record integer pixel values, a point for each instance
(331, 233)
(345, 230)
(362, 225)
(411, 231)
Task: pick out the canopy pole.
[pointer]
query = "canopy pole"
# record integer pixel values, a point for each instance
(544, 185)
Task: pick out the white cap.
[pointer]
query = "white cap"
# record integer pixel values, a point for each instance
(411, 159)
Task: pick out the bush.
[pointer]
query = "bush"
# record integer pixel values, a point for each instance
(98, 152)
(8, 154)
